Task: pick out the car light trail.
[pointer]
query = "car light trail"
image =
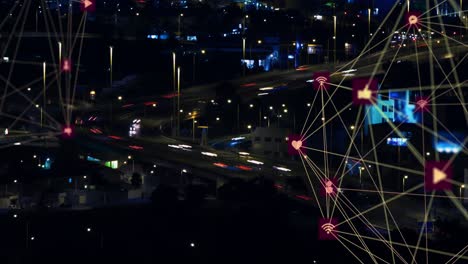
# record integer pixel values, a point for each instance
(256, 162)
(209, 154)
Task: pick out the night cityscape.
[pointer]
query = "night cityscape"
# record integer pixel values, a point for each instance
(233, 131)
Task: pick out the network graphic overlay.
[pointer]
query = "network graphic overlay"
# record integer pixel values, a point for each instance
(382, 196)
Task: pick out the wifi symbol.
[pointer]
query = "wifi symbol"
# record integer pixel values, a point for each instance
(321, 80)
(328, 227)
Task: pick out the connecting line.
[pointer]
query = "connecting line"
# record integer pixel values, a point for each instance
(24, 14)
(313, 122)
(57, 67)
(460, 97)
(386, 45)
(367, 223)
(393, 60)
(413, 150)
(381, 204)
(423, 230)
(26, 120)
(326, 121)
(462, 144)
(407, 194)
(29, 100)
(341, 86)
(312, 187)
(21, 88)
(31, 104)
(12, 9)
(454, 26)
(350, 251)
(363, 249)
(83, 22)
(429, 10)
(413, 89)
(416, 172)
(310, 111)
(351, 225)
(400, 244)
(25, 142)
(379, 178)
(325, 147)
(457, 256)
(452, 64)
(457, 204)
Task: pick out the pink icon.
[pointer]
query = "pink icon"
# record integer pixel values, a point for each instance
(321, 81)
(329, 187)
(88, 5)
(327, 228)
(295, 145)
(67, 131)
(412, 19)
(437, 175)
(66, 65)
(422, 104)
(364, 91)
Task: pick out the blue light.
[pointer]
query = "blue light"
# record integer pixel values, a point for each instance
(291, 57)
(70, 180)
(400, 142)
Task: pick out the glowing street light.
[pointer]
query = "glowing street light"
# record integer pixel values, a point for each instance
(404, 179)
(461, 187)
(352, 127)
(119, 98)
(360, 175)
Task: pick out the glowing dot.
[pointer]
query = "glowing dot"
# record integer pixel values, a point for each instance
(413, 20)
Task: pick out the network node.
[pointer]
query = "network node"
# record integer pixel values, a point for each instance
(295, 145)
(422, 104)
(327, 228)
(437, 175)
(321, 80)
(364, 91)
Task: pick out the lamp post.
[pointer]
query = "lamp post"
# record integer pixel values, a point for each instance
(461, 187)
(133, 163)
(404, 180)
(178, 101)
(178, 28)
(60, 53)
(193, 128)
(43, 90)
(360, 175)
(334, 40)
(244, 64)
(111, 55)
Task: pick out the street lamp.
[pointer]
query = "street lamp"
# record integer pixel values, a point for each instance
(404, 180)
(178, 100)
(133, 163)
(461, 187)
(43, 90)
(334, 39)
(360, 175)
(120, 98)
(178, 28)
(243, 56)
(352, 127)
(111, 58)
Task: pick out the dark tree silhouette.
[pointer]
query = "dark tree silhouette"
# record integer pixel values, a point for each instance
(136, 180)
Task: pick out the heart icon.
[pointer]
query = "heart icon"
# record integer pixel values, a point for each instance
(296, 144)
